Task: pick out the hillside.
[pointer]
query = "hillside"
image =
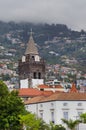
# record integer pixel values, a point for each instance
(56, 43)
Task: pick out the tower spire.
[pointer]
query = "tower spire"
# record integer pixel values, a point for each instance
(31, 47)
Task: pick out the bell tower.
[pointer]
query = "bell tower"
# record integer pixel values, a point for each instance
(31, 67)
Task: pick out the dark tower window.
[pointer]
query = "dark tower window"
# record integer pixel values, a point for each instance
(33, 57)
(39, 75)
(34, 75)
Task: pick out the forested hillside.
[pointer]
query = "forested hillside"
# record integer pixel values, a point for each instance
(56, 43)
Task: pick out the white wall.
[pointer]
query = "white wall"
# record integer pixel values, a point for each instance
(72, 107)
(36, 82)
(82, 126)
(24, 83)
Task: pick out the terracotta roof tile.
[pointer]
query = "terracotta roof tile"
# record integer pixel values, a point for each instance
(29, 92)
(61, 96)
(67, 96)
(47, 93)
(35, 99)
(32, 92)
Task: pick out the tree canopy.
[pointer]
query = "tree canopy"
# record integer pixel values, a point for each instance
(83, 117)
(13, 115)
(11, 106)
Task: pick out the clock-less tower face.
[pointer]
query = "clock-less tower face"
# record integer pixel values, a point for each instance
(31, 67)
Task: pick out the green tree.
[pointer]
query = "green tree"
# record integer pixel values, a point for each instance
(56, 127)
(31, 122)
(83, 117)
(5, 77)
(11, 106)
(43, 125)
(13, 115)
(3, 90)
(59, 127)
(71, 124)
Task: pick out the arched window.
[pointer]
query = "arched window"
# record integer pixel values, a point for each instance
(33, 57)
(39, 75)
(34, 75)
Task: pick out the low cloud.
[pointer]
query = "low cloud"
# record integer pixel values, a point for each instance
(69, 12)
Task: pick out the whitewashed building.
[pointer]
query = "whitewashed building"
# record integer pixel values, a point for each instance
(57, 106)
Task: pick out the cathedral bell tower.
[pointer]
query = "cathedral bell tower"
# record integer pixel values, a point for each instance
(31, 67)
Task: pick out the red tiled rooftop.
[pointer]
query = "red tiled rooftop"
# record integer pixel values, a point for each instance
(32, 92)
(29, 92)
(61, 96)
(67, 96)
(47, 93)
(34, 99)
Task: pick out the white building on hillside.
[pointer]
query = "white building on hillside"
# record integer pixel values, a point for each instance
(57, 106)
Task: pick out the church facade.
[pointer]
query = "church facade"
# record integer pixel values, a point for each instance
(31, 67)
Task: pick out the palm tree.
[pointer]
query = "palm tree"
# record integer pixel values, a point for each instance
(71, 124)
(43, 125)
(59, 127)
(56, 127)
(83, 117)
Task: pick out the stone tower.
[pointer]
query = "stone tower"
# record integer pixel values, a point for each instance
(31, 67)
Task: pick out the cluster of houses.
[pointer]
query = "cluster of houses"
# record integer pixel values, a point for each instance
(67, 40)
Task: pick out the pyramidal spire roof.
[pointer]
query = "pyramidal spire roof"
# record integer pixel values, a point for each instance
(73, 88)
(31, 47)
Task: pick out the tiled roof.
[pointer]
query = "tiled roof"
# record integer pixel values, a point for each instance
(32, 92)
(61, 96)
(24, 92)
(35, 99)
(67, 96)
(47, 93)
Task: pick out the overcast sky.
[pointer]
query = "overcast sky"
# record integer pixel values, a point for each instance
(69, 12)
